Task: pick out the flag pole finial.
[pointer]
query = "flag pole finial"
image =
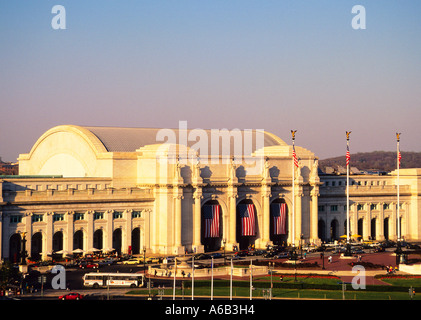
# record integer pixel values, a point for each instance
(347, 134)
(293, 134)
(398, 136)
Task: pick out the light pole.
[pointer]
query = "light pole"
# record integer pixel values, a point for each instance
(144, 260)
(271, 267)
(224, 242)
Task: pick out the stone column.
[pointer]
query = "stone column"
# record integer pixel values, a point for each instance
(68, 244)
(232, 237)
(108, 238)
(380, 224)
(178, 249)
(393, 234)
(314, 213)
(90, 229)
(266, 215)
(197, 211)
(368, 222)
(49, 232)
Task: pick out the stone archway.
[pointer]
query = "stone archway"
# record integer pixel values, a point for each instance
(58, 241)
(15, 248)
(211, 225)
(98, 239)
(78, 240)
(136, 241)
(247, 224)
(36, 246)
(117, 240)
(279, 222)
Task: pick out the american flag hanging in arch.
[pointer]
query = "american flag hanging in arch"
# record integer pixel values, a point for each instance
(279, 218)
(211, 215)
(248, 219)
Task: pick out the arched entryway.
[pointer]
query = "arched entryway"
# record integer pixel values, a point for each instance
(279, 222)
(334, 230)
(373, 228)
(78, 240)
(386, 228)
(211, 226)
(58, 241)
(98, 239)
(117, 240)
(361, 227)
(36, 246)
(321, 230)
(136, 241)
(247, 225)
(15, 248)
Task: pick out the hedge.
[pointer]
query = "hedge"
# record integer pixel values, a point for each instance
(296, 285)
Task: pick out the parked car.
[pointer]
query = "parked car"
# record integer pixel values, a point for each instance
(270, 254)
(71, 296)
(153, 260)
(281, 255)
(88, 265)
(132, 261)
(236, 256)
(202, 256)
(257, 252)
(412, 246)
(105, 262)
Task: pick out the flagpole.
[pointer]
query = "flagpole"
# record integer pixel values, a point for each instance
(251, 279)
(212, 279)
(348, 247)
(192, 280)
(232, 267)
(293, 188)
(347, 188)
(398, 183)
(175, 271)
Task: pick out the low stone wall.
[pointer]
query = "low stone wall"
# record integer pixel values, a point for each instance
(410, 268)
(168, 271)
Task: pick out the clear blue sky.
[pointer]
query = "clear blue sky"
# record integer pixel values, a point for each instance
(273, 65)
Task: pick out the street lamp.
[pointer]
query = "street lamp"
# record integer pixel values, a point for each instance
(301, 244)
(224, 242)
(271, 267)
(144, 260)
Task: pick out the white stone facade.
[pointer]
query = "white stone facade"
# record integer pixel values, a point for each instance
(79, 187)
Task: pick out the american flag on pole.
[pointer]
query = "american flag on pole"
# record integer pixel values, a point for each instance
(399, 158)
(211, 214)
(248, 219)
(294, 156)
(279, 217)
(348, 156)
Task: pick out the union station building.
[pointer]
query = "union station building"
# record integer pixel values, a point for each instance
(165, 191)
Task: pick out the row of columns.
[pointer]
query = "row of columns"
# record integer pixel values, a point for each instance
(380, 214)
(232, 195)
(69, 227)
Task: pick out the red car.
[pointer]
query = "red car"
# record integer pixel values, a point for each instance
(88, 265)
(71, 296)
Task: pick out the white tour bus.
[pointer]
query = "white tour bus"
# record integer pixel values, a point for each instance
(98, 279)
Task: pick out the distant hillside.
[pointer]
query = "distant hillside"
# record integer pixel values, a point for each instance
(378, 160)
